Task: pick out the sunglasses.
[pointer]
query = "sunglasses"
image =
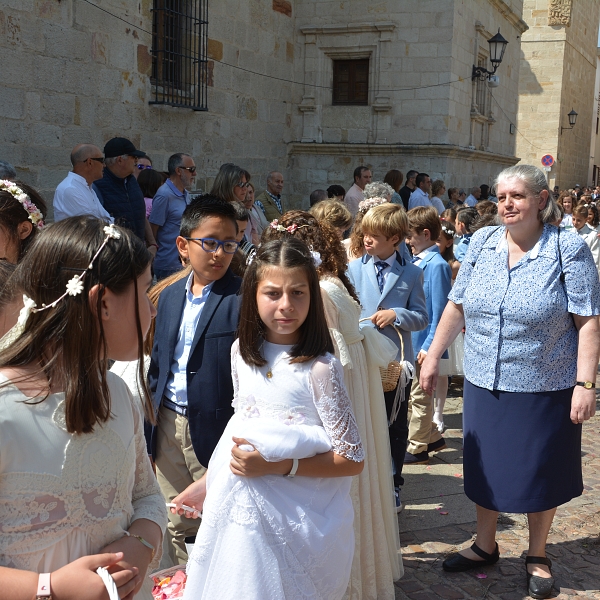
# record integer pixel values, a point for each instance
(99, 159)
(142, 167)
(243, 184)
(192, 170)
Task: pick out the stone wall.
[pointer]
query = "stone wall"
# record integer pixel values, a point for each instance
(558, 72)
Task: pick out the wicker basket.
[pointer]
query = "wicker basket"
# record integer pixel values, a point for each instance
(391, 374)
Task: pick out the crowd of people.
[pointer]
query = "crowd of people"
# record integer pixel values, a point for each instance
(267, 373)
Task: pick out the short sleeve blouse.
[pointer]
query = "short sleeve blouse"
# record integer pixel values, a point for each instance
(520, 336)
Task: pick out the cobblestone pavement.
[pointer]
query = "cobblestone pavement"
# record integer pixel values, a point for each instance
(439, 519)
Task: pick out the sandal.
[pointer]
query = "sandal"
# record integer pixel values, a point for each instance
(539, 587)
(456, 563)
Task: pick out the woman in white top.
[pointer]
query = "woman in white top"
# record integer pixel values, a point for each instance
(438, 189)
(77, 490)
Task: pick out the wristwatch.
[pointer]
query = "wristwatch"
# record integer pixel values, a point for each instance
(588, 385)
(43, 590)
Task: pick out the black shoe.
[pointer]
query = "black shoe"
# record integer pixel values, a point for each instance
(457, 563)
(437, 446)
(416, 459)
(539, 587)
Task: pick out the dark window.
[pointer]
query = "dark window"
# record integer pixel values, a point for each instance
(179, 41)
(482, 92)
(351, 81)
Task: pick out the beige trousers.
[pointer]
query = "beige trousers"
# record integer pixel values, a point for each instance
(176, 468)
(421, 428)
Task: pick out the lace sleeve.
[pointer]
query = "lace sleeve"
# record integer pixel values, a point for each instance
(148, 502)
(332, 318)
(235, 352)
(335, 409)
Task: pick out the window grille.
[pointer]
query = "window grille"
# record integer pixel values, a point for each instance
(351, 81)
(179, 51)
(482, 93)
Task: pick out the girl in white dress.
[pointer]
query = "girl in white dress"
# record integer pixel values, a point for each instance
(77, 490)
(277, 520)
(377, 562)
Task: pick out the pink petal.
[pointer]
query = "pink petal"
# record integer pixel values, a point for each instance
(481, 576)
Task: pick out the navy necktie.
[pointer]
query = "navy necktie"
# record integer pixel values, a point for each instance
(381, 266)
(415, 259)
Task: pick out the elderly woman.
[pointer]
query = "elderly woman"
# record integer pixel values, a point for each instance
(378, 189)
(528, 295)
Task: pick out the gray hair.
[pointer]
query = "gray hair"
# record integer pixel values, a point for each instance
(378, 189)
(175, 161)
(82, 152)
(535, 181)
(7, 171)
(109, 162)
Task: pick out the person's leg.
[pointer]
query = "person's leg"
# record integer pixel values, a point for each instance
(441, 393)
(398, 432)
(539, 527)
(419, 428)
(487, 521)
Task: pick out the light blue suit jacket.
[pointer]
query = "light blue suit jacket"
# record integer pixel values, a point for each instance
(403, 293)
(437, 284)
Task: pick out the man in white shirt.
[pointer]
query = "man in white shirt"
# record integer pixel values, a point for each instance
(355, 195)
(74, 194)
(420, 197)
(473, 197)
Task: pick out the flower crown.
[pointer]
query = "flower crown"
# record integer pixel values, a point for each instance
(74, 285)
(366, 205)
(33, 212)
(291, 229)
(448, 231)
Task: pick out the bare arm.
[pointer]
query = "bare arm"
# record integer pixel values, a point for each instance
(583, 403)
(448, 328)
(154, 229)
(150, 236)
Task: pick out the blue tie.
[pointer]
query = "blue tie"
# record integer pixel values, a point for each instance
(381, 266)
(415, 259)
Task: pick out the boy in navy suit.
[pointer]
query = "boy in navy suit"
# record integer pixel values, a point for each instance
(190, 367)
(425, 229)
(390, 290)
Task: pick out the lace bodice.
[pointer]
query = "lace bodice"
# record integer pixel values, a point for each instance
(64, 495)
(312, 393)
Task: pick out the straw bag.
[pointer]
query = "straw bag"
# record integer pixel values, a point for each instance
(391, 374)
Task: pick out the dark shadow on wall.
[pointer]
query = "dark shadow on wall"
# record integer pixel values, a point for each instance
(528, 81)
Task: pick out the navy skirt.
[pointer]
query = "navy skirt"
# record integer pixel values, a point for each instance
(522, 453)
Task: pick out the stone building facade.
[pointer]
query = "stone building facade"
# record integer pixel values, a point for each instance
(81, 71)
(594, 166)
(558, 74)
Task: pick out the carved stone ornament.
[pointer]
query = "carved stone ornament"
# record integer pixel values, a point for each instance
(559, 12)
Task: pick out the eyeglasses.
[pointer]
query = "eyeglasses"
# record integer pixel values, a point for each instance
(243, 184)
(142, 167)
(212, 245)
(99, 159)
(192, 170)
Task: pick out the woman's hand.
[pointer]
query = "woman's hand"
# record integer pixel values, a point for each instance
(252, 464)
(135, 556)
(383, 318)
(429, 374)
(79, 581)
(192, 496)
(583, 404)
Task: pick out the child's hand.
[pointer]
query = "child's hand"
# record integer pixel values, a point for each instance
(252, 464)
(383, 318)
(421, 357)
(192, 496)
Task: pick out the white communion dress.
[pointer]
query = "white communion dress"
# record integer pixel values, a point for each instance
(274, 537)
(64, 496)
(377, 560)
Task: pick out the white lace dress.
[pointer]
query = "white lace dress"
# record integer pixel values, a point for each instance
(62, 495)
(272, 537)
(377, 560)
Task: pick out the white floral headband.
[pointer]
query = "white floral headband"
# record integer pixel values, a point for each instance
(33, 212)
(448, 231)
(291, 229)
(366, 205)
(74, 285)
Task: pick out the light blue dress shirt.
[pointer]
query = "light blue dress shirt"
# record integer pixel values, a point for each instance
(419, 198)
(520, 336)
(176, 390)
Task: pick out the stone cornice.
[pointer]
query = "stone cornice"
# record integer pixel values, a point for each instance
(445, 150)
(511, 16)
(350, 28)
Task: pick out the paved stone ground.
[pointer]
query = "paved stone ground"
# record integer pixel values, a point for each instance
(438, 519)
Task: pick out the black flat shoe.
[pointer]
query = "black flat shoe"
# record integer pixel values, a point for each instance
(539, 587)
(456, 563)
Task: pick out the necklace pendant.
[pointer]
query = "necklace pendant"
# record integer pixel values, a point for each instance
(269, 374)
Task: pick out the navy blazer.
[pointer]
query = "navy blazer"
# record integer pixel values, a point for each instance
(209, 383)
(403, 293)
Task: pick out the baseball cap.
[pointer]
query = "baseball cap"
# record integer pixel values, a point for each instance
(119, 146)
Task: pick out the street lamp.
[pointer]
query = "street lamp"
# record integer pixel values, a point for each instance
(497, 48)
(572, 120)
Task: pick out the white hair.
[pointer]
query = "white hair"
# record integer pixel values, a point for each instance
(378, 189)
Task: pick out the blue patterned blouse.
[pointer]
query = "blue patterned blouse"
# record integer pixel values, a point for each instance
(520, 336)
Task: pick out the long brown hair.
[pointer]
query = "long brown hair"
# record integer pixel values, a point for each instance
(321, 238)
(287, 253)
(67, 341)
(12, 214)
